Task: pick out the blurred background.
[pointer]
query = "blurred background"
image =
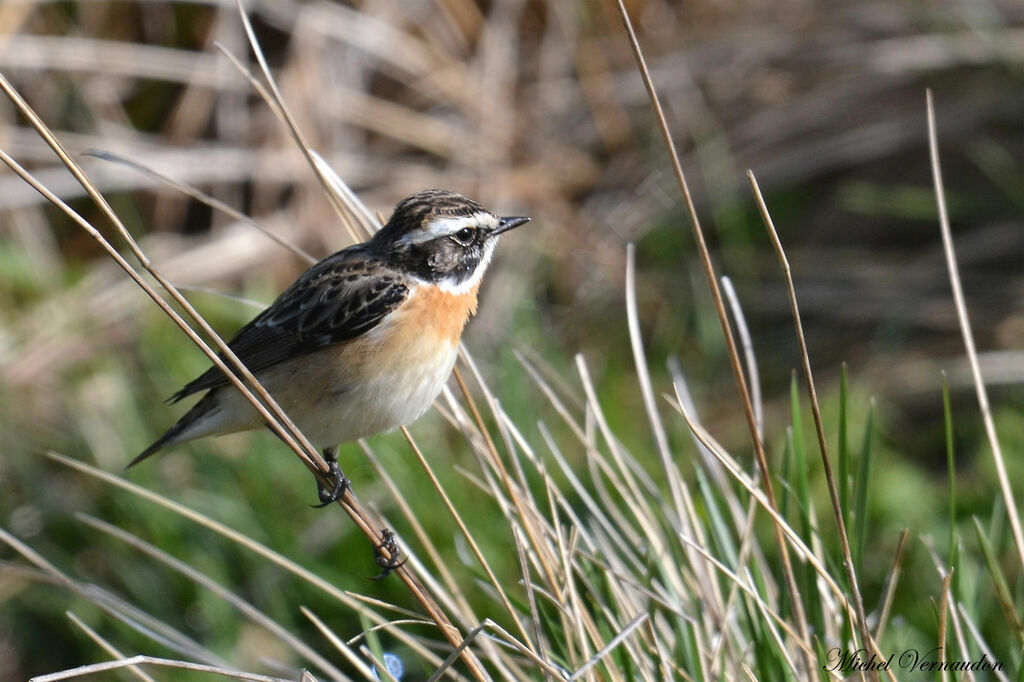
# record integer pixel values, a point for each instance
(532, 108)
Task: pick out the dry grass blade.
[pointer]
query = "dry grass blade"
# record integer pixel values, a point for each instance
(351, 601)
(507, 639)
(281, 109)
(979, 639)
(106, 646)
(203, 580)
(819, 427)
(889, 591)
(202, 197)
(343, 648)
(1012, 510)
(747, 587)
(615, 641)
(86, 670)
(531, 599)
(127, 614)
(680, 496)
(474, 546)
(747, 344)
(733, 353)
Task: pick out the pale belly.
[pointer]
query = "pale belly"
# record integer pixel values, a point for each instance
(380, 400)
(339, 395)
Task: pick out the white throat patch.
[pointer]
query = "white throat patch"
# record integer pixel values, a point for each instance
(448, 285)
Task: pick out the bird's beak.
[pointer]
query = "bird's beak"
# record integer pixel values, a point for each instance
(506, 224)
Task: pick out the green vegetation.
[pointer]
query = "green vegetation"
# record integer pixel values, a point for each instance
(596, 538)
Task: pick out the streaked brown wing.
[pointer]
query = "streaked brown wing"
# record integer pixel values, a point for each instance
(340, 298)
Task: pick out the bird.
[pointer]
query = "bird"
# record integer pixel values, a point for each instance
(364, 340)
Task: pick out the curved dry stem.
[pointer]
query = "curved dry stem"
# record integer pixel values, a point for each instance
(965, 327)
(723, 318)
(819, 428)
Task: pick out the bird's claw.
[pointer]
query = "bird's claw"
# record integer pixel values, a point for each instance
(390, 562)
(339, 486)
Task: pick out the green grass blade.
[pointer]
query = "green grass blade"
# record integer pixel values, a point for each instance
(999, 583)
(861, 489)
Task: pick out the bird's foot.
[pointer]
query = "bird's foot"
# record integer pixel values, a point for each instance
(339, 485)
(390, 562)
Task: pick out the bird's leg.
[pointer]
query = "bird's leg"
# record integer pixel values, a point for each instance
(339, 484)
(390, 562)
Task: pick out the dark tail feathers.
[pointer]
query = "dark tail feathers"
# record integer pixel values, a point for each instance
(198, 410)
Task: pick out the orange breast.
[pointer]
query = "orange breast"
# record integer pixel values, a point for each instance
(423, 331)
(432, 311)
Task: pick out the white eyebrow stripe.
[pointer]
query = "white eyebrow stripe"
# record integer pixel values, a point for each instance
(443, 227)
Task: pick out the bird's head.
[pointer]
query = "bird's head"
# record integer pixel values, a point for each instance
(442, 237)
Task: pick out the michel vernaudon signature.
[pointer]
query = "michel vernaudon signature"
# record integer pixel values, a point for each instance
(909, 660)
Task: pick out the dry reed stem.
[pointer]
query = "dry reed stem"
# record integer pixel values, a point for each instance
(889, 590)
(734, 360)
(173, 639)
(106, 646)
(343, 597)
(202, 197)
(203, 580)
(340, 645)
(985, 408)
(819, 427)
(85, 670)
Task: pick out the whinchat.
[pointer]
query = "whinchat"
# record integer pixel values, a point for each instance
(364, 341)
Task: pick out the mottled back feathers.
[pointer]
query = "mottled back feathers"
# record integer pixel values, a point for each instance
(338, 299)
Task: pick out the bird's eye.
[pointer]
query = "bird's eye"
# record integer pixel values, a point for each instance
(464, 237)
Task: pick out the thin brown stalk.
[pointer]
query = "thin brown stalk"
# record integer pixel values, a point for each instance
(86, 670)
(106, 646)
(203, 580)
(281, 109)
(1009, 499)
(474, 547)
(723, 318)
(525, 514)
(344, 648)
(889, 591)
(819, 427)
(202, 197)
(943, 607)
